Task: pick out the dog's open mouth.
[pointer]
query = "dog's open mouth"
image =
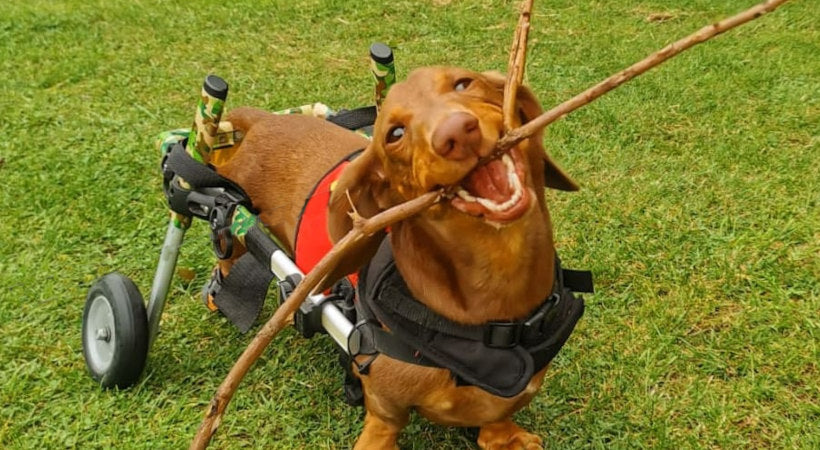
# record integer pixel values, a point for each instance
(495, 191)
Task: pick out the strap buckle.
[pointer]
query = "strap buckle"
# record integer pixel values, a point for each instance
(534, 325)
(359, 343)
(502, 334)
(509, 334)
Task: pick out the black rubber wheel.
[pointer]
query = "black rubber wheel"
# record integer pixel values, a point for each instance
(115, 331)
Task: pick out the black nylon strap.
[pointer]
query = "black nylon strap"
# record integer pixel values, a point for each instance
(198, 175)
(403, 304)
(243, 292)
(544, 353)
(192, 171)
(503, 372)
(260, 245)
(499, 357)
(355, 118)
(501, 334)
(369, 338)
(578, 280)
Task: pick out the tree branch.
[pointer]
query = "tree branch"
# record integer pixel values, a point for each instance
(519, 134)
(516, 65)
(362, 228)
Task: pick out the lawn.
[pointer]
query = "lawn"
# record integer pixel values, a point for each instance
(699, 214)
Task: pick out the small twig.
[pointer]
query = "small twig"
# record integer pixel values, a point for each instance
(519, 134)
(354, 212)
(516, 64)
(362, 229)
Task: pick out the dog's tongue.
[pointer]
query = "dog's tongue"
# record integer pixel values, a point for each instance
(490, 181)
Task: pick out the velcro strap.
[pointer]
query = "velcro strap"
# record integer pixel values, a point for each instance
(198, 175)
(195, 173)
(578, 280)
(243, 292)
(355, 118)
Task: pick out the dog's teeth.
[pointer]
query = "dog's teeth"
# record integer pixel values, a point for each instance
(515, 183)
(512, 176)
(489, 204)
(507, 160)
(466, 195)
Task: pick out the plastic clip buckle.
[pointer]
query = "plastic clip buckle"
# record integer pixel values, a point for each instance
(502, 334)
(534, 326)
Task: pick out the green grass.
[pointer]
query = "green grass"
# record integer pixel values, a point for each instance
(699, 214)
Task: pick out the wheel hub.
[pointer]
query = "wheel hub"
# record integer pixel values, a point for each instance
(101, 334)
(104, 334)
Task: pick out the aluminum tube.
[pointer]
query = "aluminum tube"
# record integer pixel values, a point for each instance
(333, 321)
(282, 266)
(336, 325)
(162, 278)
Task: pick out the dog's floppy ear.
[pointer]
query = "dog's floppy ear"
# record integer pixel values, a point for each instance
(555, 177)
(530, 108)
(359, 186)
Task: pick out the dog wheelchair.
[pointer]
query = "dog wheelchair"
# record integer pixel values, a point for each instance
(498, 356)
(119, 329)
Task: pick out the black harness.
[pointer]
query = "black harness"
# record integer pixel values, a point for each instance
(499, 357)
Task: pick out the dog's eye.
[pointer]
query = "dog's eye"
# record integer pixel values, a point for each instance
(462, 84)
(395, 134)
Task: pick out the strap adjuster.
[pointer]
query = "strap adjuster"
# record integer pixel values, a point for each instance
(356, 343)
(502, 334)
(534, 326)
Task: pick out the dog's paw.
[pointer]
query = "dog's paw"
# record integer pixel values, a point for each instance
(507, 436)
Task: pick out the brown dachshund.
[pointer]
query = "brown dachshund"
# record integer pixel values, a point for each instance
(486, 254)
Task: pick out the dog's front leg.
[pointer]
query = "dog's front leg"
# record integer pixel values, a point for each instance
(381, 432)
(508, 436)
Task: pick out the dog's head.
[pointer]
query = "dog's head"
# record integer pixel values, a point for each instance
(431, 132)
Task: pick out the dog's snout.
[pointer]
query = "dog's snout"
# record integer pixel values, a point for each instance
(457, 137)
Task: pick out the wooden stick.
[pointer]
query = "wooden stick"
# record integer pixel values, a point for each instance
(517, 135)
(516, 64)
(362, 228)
